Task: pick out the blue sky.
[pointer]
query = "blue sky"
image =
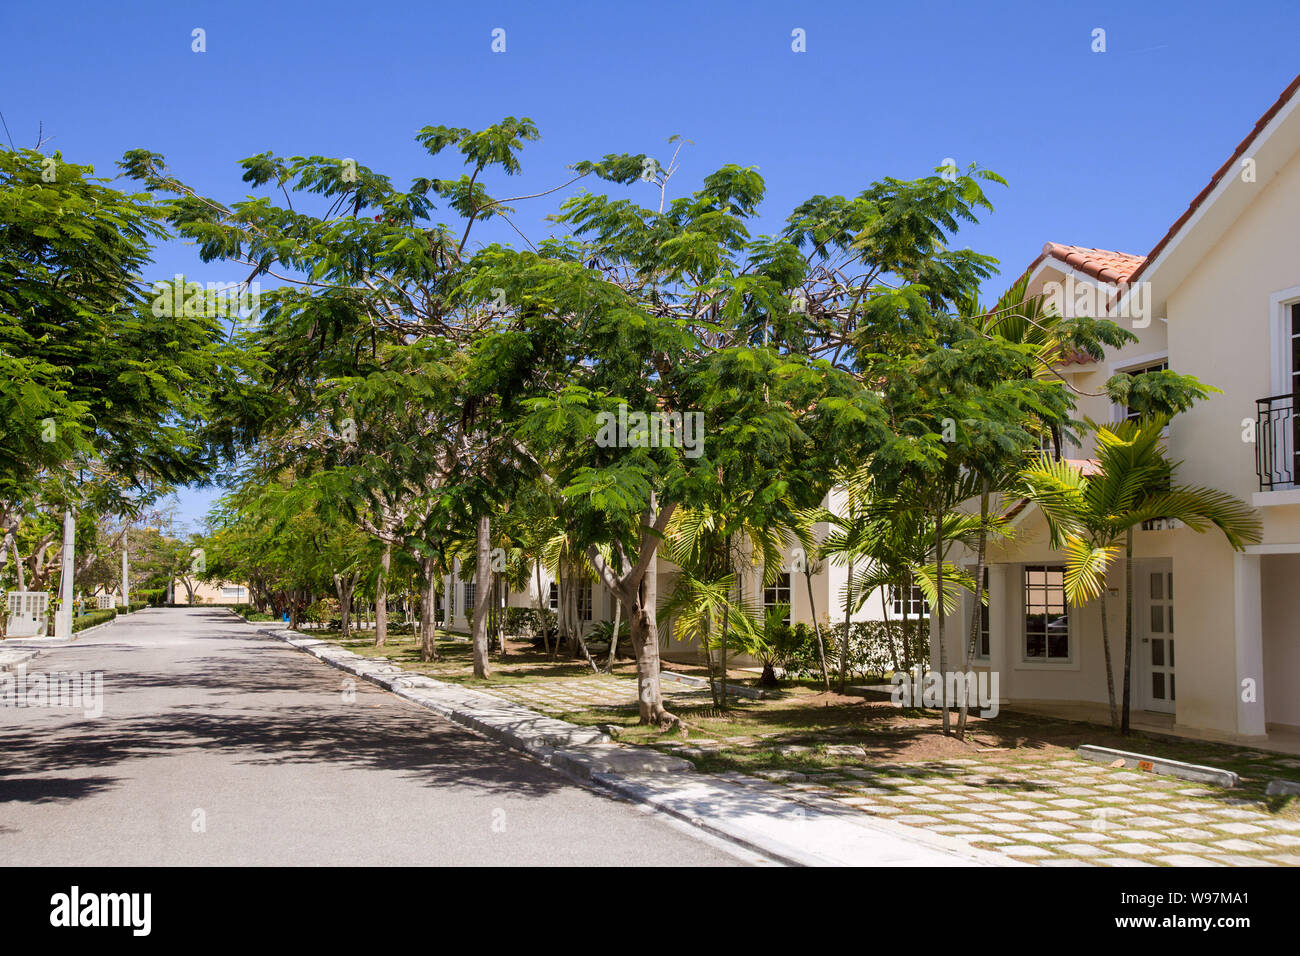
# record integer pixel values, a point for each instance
(1100, 149)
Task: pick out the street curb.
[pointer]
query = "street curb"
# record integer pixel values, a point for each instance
(735, 690)
(24, 644)
(1278, 787)
(1172, 768)
(18, 661)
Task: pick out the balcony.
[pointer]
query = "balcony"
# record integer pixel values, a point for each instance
(1275, 442)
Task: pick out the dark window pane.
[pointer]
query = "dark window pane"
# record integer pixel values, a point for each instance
(1171, 652)
(1157, 652)
(1157, 587)
(1157, 619)
(1158, 685)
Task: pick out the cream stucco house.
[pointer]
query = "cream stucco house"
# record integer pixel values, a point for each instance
(1217, 637)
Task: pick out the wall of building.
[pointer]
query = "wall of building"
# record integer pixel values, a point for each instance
(1280, 574)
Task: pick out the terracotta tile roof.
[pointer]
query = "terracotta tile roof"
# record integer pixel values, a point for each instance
(1085, 466)
(1101, 264)
(1242, 148)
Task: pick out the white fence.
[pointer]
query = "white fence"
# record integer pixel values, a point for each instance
(28, 613)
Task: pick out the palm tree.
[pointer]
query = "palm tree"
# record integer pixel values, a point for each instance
(886, 542)
(709, 544)
(1092, 517)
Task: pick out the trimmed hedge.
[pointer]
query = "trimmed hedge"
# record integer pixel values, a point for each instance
(93, 618)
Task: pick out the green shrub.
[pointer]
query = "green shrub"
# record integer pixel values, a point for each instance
(529, 624)
(93, 618)
(153, 597)
(869, 650)
(322, 611)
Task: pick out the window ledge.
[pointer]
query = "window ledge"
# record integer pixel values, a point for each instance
(1266, 499)
(1024, 665)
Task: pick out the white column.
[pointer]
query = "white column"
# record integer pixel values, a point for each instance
(1000, 642)
(1248, 621)
(126, 581)
(63, 622)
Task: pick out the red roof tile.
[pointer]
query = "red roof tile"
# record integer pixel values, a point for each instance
(1101, 264)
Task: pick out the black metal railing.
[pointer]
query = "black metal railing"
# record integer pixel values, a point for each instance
(1275, 442)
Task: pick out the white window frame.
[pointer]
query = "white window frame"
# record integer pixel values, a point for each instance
(1119, 413)
(896, 600)
(1069, 662)
(1279, 305)
(777, 587)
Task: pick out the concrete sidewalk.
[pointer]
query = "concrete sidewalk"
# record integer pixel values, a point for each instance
(802, 832)
(753, 813)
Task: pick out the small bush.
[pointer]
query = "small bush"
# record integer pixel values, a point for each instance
(529, 624)
(322, 611)
(93, 618)
(153, 597)
(869, 646)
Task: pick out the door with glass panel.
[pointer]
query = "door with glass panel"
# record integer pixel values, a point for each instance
(1157, 620)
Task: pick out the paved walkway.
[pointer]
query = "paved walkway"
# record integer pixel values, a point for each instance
(217, 745)
(1053, 811)
(1066, 812)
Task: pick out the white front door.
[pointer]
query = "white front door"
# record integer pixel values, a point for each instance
(1155, 585)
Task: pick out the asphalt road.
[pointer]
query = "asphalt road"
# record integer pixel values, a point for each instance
(219, 746)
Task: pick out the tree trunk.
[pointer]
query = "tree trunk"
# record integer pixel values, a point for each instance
(1110, 674)
(613, 640)
(844, 639)
(722, 684)
(541, 611)
(381, 596)
(18, 566)
(889, 631)
(498, 586)
(483, 599)
(573, 626)
(638, 589)
(907, 638)
(645, 642)
(817, 627)
(971, 645)
(428, 616)
(575, 622)
(345, 586)
(943, 650)
(706, 640)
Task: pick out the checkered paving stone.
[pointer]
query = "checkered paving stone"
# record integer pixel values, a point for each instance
(1071, 812)
(1051, 812)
